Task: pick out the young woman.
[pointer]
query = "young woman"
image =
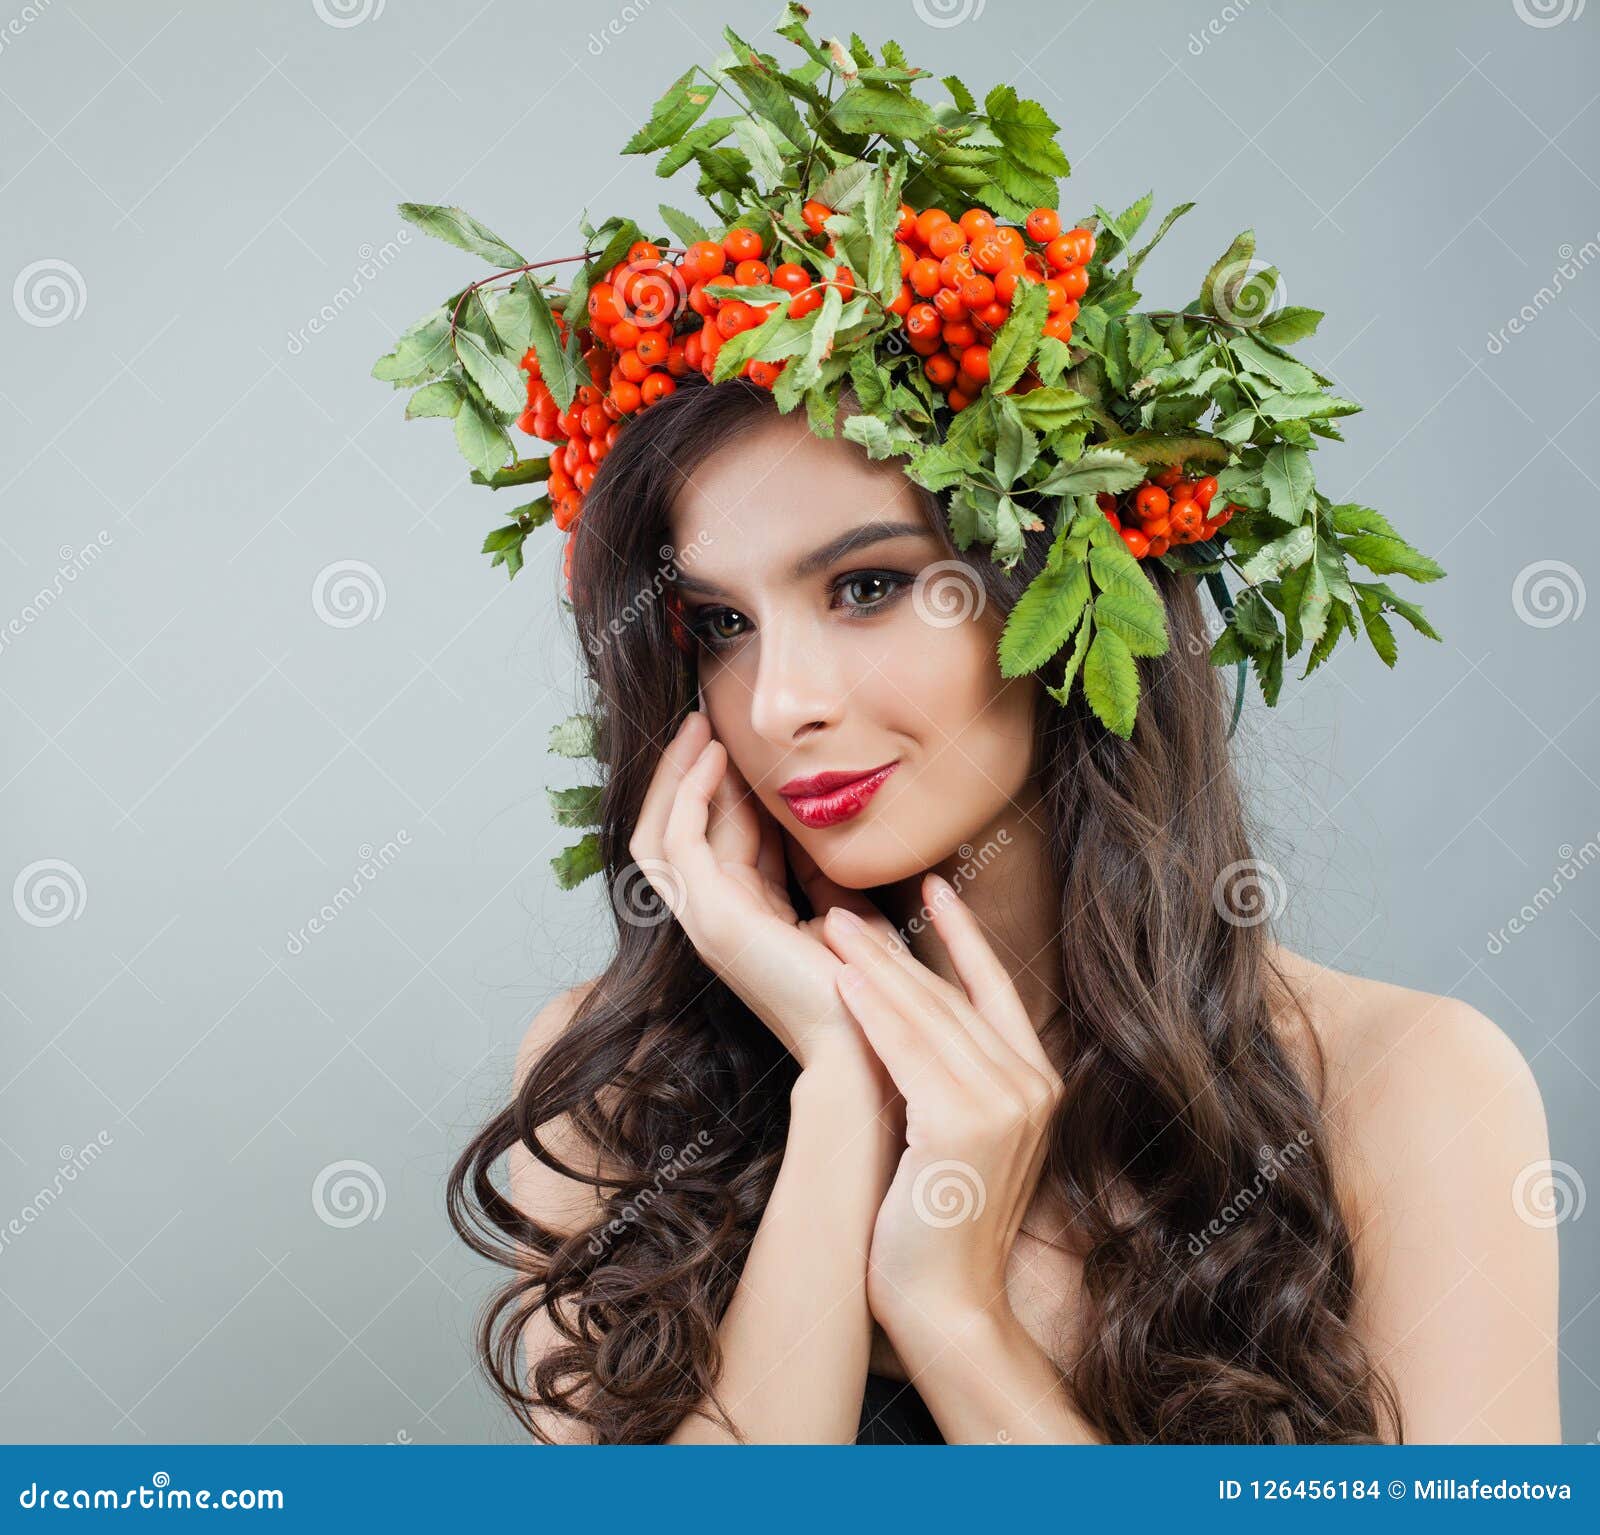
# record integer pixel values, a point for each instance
(974, 1102)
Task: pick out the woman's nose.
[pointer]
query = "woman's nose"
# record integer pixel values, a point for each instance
(800, 680)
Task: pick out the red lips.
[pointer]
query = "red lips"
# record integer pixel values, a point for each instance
(825, 799)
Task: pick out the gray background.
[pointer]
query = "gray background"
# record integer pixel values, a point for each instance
(210, 757)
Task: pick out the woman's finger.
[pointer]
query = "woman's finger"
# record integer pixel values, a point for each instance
(675, 759)
(913, 1063)
(988, 984)
(683, 841)
(733, 833)
(966, 1050)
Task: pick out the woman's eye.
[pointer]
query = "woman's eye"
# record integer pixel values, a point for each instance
(863, 592)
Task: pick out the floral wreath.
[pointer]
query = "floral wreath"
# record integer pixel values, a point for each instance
(863, 238)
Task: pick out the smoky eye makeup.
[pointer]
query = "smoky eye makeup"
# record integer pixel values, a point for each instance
(862, 594)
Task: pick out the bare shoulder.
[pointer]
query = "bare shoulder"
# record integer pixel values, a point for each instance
(556, 1201)
(1440, 1153)
(1408, 1068)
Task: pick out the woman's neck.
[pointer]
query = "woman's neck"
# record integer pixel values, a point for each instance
(1001, 875)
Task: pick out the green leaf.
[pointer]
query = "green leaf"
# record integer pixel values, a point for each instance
(685, 228)
(575, 736)
(503, 383)
(1099, 469)
(1165, 448)
(695, 142)
(1140, 628)
(771, 101)
(1063, 691)
(422, 352)
(1389, 554)
(1046, 410)
(1290, 376)
(575, 864)
(673, 115)
(460, 229)
(1302, 407)
(1292, 549)
(1227, 269)
(1290, 324)
(442, 398)
(808, 366)
(1111, 682)
(1136, 260)
(525, 471)
(1015, 446)
(1044, 617)
(1254, 619)
(482, 440)
(1288, 478)
(555, 366)
(579, 806)
(881, 439)
(1017, 338)
(963, 98)
(881, 109)
(1026, 130)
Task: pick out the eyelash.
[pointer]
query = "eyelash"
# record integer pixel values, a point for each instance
(895, 580)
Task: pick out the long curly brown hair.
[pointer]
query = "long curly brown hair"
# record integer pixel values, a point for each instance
(1218, 1268)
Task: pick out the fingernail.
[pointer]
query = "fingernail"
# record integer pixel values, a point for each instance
(850, 919)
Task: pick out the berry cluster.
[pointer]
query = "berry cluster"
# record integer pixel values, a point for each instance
(655, 315)
(1166, 509)
(960, 277)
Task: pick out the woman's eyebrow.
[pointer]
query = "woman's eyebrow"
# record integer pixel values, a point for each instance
(824, 555)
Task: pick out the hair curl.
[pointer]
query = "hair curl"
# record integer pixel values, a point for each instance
(1177, 1083)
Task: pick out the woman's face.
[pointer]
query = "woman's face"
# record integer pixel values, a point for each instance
(816, 657)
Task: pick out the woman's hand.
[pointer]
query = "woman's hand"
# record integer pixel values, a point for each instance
(715, 856)
(980, 1097)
